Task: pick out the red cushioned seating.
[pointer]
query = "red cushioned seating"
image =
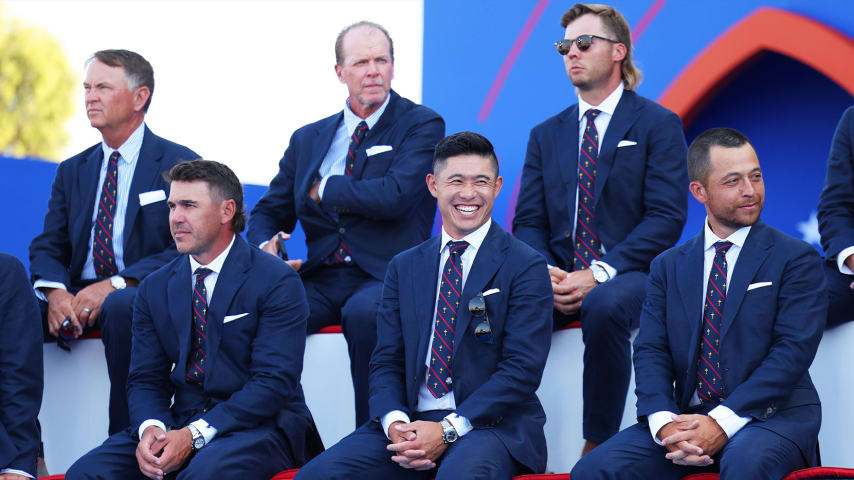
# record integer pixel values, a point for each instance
(53, 477)
(287, 474)
(821, 472)
(702, 476)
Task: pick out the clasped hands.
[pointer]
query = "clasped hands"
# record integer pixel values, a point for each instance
(692, 439)
(159, 452)
(570, 288)
(417, 445)
(82, 309)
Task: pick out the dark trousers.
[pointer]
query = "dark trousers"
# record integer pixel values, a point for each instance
(480, 454)
(608, 315)
(350, 297)
(840, 308)
(258, 453)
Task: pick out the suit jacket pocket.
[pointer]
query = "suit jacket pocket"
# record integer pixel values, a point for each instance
(377, 165)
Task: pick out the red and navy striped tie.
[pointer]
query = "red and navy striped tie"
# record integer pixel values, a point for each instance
(587, 244)
(103, 257)
(196, 363)
(442, 351)
(710, 384)
(342, 253)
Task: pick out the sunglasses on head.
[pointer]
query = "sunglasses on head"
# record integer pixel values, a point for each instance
(583, 42)
(477, 308)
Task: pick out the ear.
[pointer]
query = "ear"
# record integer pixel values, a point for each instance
(618, 52)
(499, 182)
(228, 209)
(140, 96)
(431, 185)
(698, 191)
(338, 71)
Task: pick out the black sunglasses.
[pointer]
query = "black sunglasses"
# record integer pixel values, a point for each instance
(583, 42)
(477, 308)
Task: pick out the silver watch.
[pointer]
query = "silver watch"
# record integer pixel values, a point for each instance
(449, 433)
(118, 282)
(599, 273)
(198, 440)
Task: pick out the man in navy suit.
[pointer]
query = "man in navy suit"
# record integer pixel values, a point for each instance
(222, 328)
(106, 227)
(836, 222)
(21, 372)
(730, 325)
(602, 193)
(354, 182)
(460, 352)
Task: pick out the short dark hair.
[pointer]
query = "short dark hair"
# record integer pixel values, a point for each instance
(339, 41)
(463, 143)
(138, 71)
(221, 180)
(699, 161)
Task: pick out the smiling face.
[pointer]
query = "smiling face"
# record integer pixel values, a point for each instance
(465, 189)
(199, 222)
(367, 68)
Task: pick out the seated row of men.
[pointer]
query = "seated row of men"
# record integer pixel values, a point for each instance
(603, 193)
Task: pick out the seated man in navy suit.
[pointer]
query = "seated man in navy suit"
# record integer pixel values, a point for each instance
(463, 334)
(355, 183)
(106, 227)
(836, 222)
(218, 342)
(730, 325)
(602, 193)
(21, 372)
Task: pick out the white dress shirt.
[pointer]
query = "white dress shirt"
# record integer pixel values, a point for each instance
(601, 123)
(207, 431)
(728, 420)
(128, 156)
(426, 400)
(840, 260)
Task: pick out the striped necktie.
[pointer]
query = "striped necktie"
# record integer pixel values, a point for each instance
(196, 363)
(587, 244)
(103, 256)
(442, 350)
(710, 384)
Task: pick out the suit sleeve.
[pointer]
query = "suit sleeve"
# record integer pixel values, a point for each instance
(50, 251)
(652, 358)
(525, 348)
(798, 327)
(396, 193)
(276, 358)
(276, 211)
(835, 207)
(531, 221)
(665, 199)
(21, 369)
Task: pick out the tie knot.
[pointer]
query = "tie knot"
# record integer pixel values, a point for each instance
(201, 273)
(458, 247)
(592, 113)
(361, 128)
(115, 156)
(722, 247)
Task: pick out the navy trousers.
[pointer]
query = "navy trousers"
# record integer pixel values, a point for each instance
(350, 297)
(840, 308)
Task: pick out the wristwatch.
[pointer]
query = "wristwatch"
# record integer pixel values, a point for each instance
(198, 440)
(599, 273)
(449, 433)
(118, 282)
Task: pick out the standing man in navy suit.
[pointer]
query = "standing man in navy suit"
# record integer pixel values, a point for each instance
(836, 222)
(222, 329)
(21, 372)
(602, 193)
(355, 183)
(106, 227)
(460, 352)
(730, 325)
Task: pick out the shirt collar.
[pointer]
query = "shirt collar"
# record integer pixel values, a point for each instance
(475, 238)
(129, 150)
(351, 120)
(737, 238)
(216, 265)
(607, 106)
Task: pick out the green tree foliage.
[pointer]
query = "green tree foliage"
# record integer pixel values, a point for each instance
(36, 91)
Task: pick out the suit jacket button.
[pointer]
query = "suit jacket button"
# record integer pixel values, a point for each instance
(342, 230)
(567, 234)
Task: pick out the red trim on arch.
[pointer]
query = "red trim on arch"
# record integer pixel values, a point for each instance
(766, 29)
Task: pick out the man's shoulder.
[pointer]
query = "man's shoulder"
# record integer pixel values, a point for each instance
(784, 245)
(171, 149)
(648, 108)
(553, 123)
(403, 106)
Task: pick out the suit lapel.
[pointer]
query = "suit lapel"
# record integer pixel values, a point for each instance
(144, 176)
(756, 249)
(566, 140)
(424, 289)
(179, 300)
(490, 256)
(90, 173)
(690, 282)
(320, 146)
(383, 124)
(625, 115)
(234, 272)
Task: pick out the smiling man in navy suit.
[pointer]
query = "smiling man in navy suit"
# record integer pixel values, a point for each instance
(730, 325)
(355, 183)
(463, 334)
(602, 193)
(222, 328)
(106, 227)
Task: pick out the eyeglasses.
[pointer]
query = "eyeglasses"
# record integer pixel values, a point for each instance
(477, 308)
(583, 42)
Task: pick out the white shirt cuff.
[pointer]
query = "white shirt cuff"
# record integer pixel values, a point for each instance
(840, 260)
(611, 271)
(150, 422)
(42, 283)
(391, 417)
(461, 424)
(728, 420)
(658, 420)
(205, 429)
(16, 472)
(261, 245)
(322, 186)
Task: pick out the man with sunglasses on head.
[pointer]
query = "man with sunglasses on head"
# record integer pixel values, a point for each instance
(462, 338)
(602, 193)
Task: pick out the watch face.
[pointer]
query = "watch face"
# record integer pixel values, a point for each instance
(199, 442)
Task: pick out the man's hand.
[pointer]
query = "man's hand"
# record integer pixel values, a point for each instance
(87, 303)
(314, 193)
(58, 307)
(422, 452)
(398, 436)
(849, 262)
(13, 476)
(272, 247)
(683, 452)
(708, 435)
(176, 448)
(147, 451)
(571, 290)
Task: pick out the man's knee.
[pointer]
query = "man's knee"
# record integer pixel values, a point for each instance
(117, 312)
(359, 314)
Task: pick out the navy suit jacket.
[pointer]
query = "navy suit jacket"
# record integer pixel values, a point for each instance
(382, 209)
(769, 334)
(835, 207)
(59, 252)
(494, 381)
(641, 195)
(21, 371)
(254, 363)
